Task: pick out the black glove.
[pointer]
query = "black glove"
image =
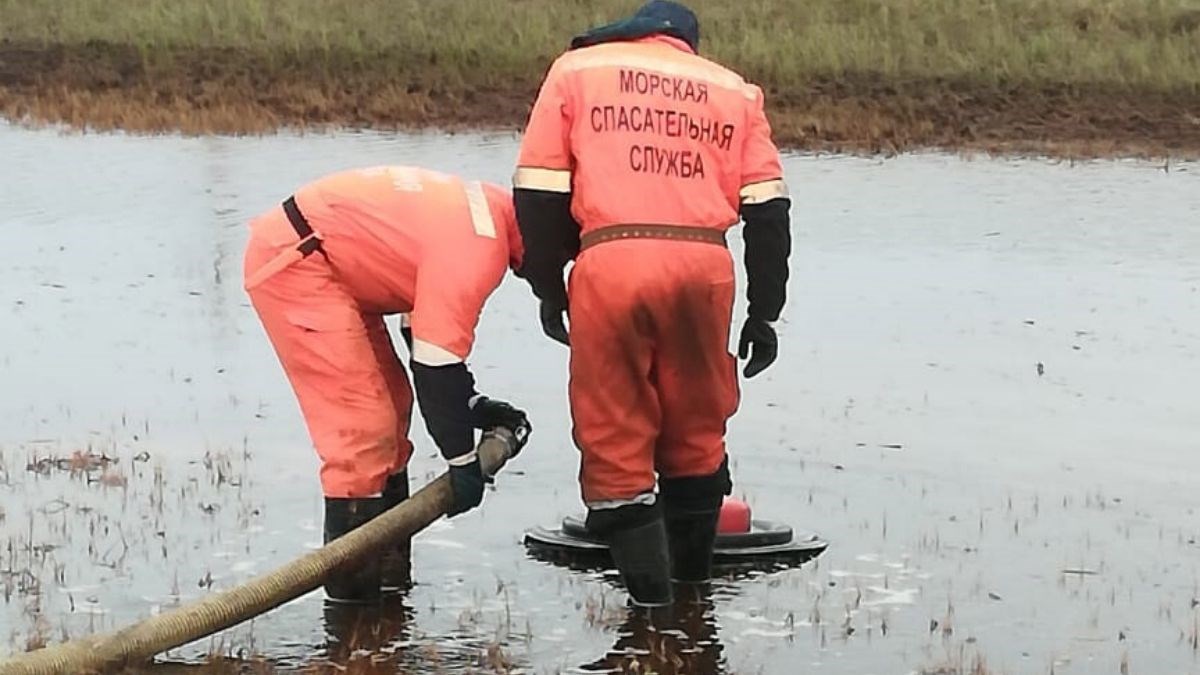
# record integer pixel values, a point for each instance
(760, 335)
(489, 413)
(467, 483)
(552, 322)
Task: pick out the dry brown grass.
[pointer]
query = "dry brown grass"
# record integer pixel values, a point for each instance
(1147, 44)
(1068, 77)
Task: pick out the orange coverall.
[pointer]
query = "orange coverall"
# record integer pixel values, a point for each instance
(658, 148)
(393, 239)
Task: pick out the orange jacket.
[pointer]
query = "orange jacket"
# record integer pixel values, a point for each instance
(648, 132)
(410, 240)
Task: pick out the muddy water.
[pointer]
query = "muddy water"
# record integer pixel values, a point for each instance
(986, 400)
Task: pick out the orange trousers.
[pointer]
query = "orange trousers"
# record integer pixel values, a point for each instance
(351, 386)
(652, 380)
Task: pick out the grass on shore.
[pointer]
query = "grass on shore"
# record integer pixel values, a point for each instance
(1138, 45)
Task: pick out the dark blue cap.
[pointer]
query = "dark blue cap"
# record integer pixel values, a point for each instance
(678, 20)
(657, 17)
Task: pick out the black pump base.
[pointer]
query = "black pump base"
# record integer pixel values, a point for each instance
(768, 544)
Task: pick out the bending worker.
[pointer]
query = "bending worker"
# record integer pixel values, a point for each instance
(322, 270)
(638, 156)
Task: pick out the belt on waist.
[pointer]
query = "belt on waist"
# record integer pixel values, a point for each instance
(706, 235)
(308, 241)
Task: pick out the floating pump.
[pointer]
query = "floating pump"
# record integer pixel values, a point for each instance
(742, 541)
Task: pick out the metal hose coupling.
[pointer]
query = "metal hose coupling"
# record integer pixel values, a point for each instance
(513, 439)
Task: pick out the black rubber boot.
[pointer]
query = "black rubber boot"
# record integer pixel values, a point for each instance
(692, 505)
(692, 535)
(356, 583)
(396, 572)
(640, 553)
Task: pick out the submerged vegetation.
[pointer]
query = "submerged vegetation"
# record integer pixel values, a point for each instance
(1064, 76)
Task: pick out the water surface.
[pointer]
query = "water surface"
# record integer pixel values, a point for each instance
(986, 399)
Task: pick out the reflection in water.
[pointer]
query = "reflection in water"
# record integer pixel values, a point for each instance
(367, 638)
(681, 638)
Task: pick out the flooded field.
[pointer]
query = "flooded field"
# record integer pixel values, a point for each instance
(986, 401)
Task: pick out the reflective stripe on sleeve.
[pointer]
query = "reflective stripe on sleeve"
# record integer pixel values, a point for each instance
(429, 354)
(647, 498)
(481, 215)
(548, 180)
(763, 191)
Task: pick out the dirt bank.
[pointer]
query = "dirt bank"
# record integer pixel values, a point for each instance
(229, 90)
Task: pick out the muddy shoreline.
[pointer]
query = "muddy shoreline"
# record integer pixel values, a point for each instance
(105, 86)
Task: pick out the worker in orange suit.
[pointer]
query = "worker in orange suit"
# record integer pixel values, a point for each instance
(639, 154)
(322, 270)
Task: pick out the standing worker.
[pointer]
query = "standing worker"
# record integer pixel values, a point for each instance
(322, 270)
(638, 156)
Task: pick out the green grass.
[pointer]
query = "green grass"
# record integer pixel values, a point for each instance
(1134, 44)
